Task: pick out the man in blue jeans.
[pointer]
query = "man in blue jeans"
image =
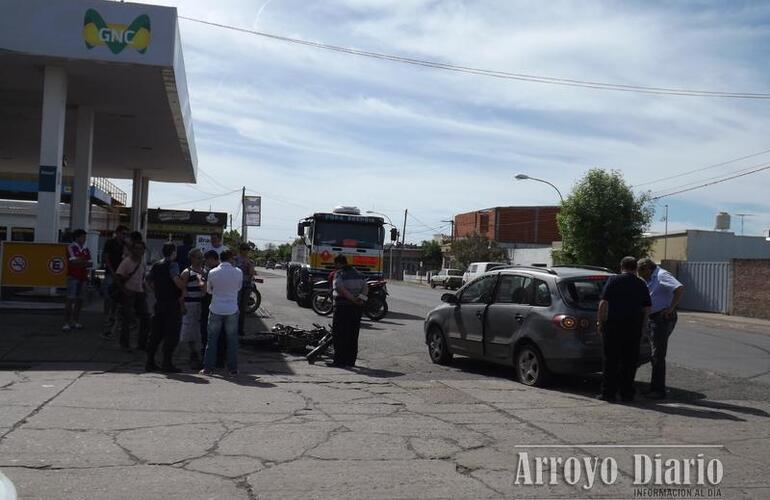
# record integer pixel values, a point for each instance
(223, 283)
(665, 293)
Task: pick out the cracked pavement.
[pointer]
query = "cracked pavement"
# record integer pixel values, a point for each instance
(97, 427)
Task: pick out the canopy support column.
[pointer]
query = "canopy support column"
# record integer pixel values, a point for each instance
(81, 185)
(51, 154)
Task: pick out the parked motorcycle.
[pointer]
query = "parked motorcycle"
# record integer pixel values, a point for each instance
(254, 299)
(375, 308)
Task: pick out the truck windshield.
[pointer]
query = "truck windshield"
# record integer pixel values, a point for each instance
(583, 293)
(348, 234)
(454, 272)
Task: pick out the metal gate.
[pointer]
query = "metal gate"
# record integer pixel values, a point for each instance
(708, 286)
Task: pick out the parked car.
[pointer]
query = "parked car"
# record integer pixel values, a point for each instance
(476, 269)
(541, 321)
(448, 278)
(269, 264)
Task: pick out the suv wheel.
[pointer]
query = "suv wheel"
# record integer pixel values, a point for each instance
(438, 348)
(530, 367)
(432, 284)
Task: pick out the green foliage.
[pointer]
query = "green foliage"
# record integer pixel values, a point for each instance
(431, 256)
(232, 239)
(476, 248)
(602, 221)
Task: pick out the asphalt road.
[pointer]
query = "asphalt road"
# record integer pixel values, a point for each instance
(701, 347)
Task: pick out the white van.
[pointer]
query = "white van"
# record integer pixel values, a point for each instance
(476, 269)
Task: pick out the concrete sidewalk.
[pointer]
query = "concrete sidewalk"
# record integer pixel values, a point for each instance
(87, 423)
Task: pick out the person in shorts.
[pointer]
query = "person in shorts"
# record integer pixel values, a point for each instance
(190, 335)
(77, 278)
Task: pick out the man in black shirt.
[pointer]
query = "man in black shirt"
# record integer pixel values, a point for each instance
(169, 300)
(112, 256)
(623, 311)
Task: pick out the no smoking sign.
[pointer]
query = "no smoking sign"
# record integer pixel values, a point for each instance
(17, 264)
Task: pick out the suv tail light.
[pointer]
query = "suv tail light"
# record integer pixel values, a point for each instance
(565, 322)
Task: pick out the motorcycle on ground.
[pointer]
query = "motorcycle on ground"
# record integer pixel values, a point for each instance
(375, 308)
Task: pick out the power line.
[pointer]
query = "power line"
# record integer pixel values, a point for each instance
(748, 169)
(766, 167)
(193, 186)
(422, 223)
(187, 202)
(493, 73)
(722, 164)
(213, 179)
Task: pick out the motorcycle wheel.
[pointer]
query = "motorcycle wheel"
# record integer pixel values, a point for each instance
(376, 308)
(322, 303)
(254, 301)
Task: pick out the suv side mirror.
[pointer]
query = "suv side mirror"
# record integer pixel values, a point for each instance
(300, 229)
(449, 298)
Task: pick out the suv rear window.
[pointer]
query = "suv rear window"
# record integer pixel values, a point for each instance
(584, 292)
(453, 272)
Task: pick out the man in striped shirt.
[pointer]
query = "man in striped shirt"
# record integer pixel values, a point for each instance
(190, 335)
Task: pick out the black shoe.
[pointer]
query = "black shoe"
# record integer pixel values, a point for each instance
(655, 395)
(606, 397)
(151, 367)
(170, 369)
(627, 399)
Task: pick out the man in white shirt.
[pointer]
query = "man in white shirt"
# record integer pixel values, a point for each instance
(665, 293)
(223, 283)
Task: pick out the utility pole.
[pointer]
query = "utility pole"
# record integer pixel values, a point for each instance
(452, 222)
(400, 268)
(244, 236)
(452, 240)
(665, 237)
(742, 216)
(403, 234)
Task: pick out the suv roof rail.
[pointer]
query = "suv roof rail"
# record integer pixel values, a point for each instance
(590, 268)
(533, 268)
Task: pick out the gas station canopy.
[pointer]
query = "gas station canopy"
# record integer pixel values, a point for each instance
(122, 61)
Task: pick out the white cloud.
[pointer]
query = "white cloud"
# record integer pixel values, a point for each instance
(312, 128)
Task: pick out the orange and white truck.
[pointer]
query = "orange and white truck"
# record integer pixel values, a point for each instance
(322, 237)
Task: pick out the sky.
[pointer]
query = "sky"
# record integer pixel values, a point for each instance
(309, 129)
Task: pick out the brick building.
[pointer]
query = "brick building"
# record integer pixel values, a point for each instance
(515, 225)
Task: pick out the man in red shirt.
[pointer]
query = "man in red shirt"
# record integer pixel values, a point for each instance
(77, 276)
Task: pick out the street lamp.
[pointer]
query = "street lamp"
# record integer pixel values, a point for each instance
(525, 177)
(390, 267)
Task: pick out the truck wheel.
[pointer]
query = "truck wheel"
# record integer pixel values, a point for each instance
(290, 295)
(302, 292)
(432, 285)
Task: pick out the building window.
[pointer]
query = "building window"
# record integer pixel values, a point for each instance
(22, 234)
(3, 233)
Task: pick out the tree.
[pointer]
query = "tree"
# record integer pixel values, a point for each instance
(231, 239)
(476, 248)
(602, 221)
(431, 255)
(284, 252)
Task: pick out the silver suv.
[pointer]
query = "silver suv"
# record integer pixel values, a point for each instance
(540, 320)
